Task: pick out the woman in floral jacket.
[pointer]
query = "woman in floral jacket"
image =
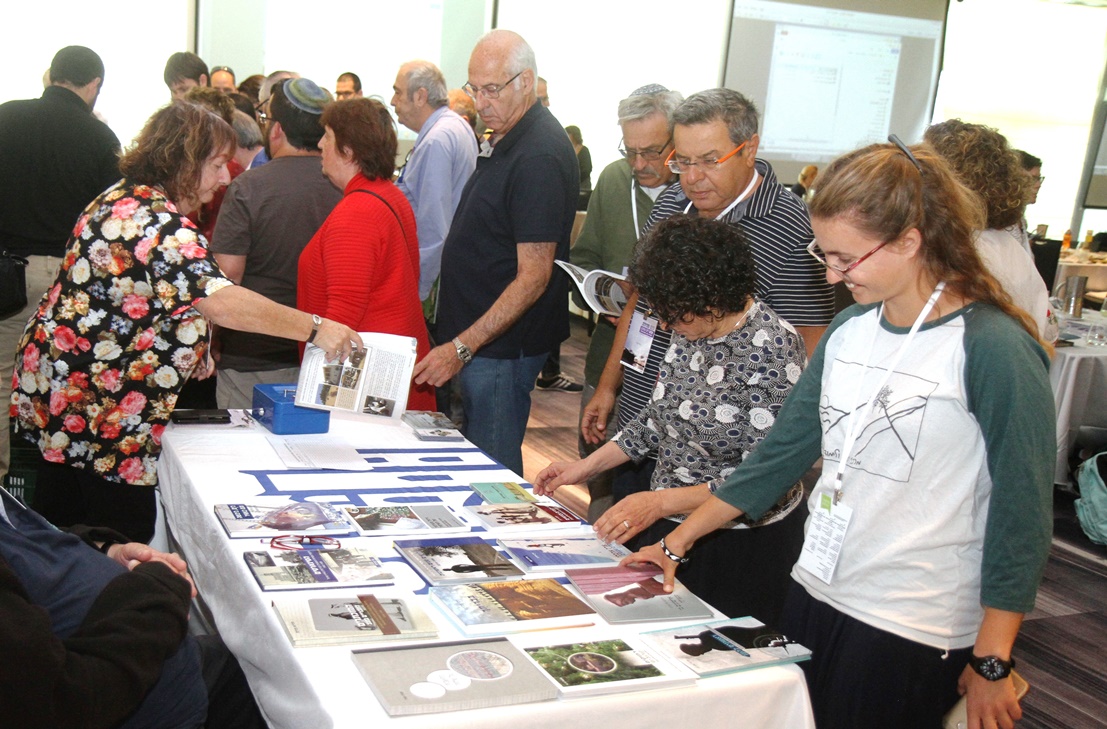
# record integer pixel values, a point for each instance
(125, 325)
(732, 363)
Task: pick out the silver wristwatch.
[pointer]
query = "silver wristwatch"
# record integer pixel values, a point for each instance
(463, 352)
(316, 322)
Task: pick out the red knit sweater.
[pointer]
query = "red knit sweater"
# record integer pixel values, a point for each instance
(362, 269)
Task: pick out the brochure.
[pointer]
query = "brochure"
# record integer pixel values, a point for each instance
(725, 646)
(600, 289)
(553, 552)
(342, 620)
(374, 381)
(636, 594)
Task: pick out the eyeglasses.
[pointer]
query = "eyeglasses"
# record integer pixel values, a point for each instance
(649, 154)
(297, 541)
(680, 165)
(261, 109)
(490, 91)
(817, 254)
(228, 69)
(1038, 179)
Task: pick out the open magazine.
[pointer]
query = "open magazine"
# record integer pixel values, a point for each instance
(375, 381)
(599, 288)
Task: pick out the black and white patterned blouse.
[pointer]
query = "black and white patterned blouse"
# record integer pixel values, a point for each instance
(714, 401)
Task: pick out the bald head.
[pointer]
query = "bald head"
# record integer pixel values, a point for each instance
(502, 76)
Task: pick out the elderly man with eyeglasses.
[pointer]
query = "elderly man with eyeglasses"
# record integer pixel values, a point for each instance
(617, 212)
(715, 144)
(501, 310)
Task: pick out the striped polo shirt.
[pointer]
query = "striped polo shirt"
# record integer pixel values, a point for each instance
(788, 279)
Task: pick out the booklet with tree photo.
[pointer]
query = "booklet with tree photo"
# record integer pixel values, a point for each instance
(600, 289)
(374, 381)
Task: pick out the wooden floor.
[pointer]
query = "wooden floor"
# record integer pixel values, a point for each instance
(1062, 648)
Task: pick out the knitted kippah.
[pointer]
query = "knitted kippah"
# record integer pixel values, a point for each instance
(648, 89)
(305, 95)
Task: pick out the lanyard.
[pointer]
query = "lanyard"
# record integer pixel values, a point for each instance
(740, 198)
(856, 424)
(634, 206)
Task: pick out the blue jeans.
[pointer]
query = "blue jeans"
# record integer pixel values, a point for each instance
(496, 396)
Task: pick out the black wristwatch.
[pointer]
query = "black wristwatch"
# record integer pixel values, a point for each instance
(992, 668)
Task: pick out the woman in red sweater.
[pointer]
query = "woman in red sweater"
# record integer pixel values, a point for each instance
(362, 266)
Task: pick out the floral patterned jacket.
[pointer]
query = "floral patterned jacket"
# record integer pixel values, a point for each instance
(714, 401)
(116, 337)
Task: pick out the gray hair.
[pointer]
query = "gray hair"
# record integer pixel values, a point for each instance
(520, 54)
(426, 75)
(639, 106)
(247, 129)
(272, 80)
(726, 105)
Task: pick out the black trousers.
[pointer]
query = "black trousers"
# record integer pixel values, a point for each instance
(68, 496)
(861, 676)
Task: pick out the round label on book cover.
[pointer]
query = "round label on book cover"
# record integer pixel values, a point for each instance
(427, 690)
(450, 680)
(480, 665)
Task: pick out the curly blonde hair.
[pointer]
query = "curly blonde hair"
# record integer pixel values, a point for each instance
(987, 165)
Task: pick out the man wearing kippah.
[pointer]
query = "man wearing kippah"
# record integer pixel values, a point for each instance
(269, 214)
(617, 213)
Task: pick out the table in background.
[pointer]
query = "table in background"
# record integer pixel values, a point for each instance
(202, 466)
(1078, 376)
(1096, 273)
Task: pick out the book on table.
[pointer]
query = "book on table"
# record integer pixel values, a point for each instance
(542, 515)
(429, 678)
(305, 569)
(587, 665)
(557, 551)
(374, 381)
(600, 289)
(302, 517)
(502, 492)
(375, 520)
(725, 646)
(432, 425)
(449, 560)
(342, 620)
(488, 608)
(636, 594)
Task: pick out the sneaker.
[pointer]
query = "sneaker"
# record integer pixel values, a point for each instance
(561, 382)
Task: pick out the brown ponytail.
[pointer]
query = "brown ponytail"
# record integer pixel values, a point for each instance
(879, 190)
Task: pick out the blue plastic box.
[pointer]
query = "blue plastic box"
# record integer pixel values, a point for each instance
(275, 408)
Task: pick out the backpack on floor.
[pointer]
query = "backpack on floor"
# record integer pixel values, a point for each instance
(1091, 507)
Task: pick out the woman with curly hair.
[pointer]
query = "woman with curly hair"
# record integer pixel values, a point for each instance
(731, 364)
(928, 404)
(125, 325)
(988, 166)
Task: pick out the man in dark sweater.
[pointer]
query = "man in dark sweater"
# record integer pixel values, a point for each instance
(55, 158)
(99, 640)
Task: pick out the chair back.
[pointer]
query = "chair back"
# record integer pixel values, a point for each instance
(1046, 254)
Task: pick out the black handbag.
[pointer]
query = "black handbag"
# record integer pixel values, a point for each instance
(13, 283)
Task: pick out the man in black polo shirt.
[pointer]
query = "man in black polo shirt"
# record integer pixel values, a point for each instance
(55, 158)
(501, 310)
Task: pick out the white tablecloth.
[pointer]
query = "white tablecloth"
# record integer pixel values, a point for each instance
(315, 688)
(1078, 376)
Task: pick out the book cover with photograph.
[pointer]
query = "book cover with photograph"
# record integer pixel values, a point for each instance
(449, 560)
(592, 667)
(305, 517)
(523, 516)
(554, 552)
(378, 520)
(299, 569)
(506, 607)
(636, 594)
(725, 646)
(373, 381)
(432, 425)
(434, 677)
(349, 620)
